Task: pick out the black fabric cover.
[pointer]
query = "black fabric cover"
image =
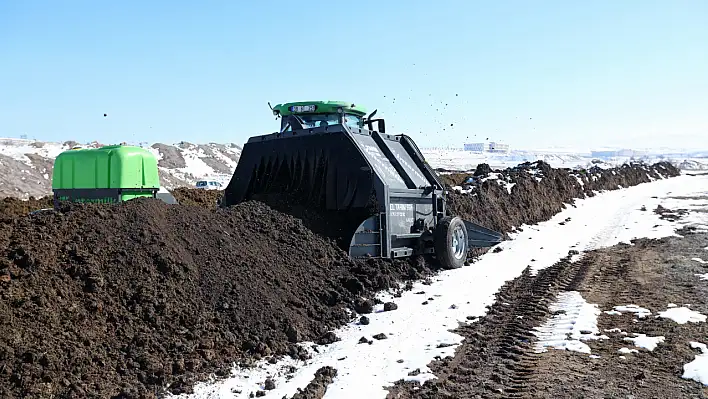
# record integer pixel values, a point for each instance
(327, 170)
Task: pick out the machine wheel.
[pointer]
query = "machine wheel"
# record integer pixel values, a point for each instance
(450, 241)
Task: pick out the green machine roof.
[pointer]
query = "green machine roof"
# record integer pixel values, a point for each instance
(318, 107)
(106, 167)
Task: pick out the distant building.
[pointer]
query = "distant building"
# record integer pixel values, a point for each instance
(490, 146)
(476, 147)
(603, 154)
(624, 153)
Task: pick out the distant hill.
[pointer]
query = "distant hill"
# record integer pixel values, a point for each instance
(26, 165)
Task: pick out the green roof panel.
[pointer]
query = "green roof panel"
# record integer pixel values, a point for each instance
(106, 167)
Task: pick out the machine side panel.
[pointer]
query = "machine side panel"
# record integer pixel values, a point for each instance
(378, 160)
(414, 152)
(407, 163)
(408, 206)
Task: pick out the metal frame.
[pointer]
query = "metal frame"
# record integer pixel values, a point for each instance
(111, 195)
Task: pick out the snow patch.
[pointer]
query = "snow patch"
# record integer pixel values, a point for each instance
(697, 370)
(575, 322)
(682, 315)
(646, 342)
(637, 310)
(627, 351)
(462, 190)
(699, 260)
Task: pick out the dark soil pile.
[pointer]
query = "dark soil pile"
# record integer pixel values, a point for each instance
(121, 299)
(538, 191)
(195, 196)
(11, 207)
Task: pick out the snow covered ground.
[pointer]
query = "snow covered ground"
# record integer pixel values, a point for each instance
(419, 329)
(18, 149)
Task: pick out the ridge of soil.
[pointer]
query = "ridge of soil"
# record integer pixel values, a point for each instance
(318, 386)
(194, 196)
(11, 207)
(530, 200)
(128, 300)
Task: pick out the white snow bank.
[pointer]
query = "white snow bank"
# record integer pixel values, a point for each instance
(576, 322)
(699, 260)
(697, 370)
(646, 342)
(682, 315)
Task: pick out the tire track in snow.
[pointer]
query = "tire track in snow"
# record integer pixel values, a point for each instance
(497, 356)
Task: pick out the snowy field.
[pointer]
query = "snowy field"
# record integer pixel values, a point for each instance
(416, 332)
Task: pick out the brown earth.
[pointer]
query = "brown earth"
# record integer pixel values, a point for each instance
(496, 359)
(11, 207)
(194, 196)
(112, 300)
(126, 299)
(650, 274)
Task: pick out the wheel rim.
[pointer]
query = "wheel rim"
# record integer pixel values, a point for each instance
(458, 242)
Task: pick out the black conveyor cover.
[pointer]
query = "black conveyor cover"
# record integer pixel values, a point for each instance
(326, 169)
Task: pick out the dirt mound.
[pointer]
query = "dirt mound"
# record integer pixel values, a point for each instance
(111, 300)
(11, 207)
(194, 196)
(534, 192)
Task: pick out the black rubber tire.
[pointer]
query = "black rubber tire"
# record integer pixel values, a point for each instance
(443, 239)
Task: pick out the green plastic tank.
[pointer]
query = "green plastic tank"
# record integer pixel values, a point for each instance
(105, 175)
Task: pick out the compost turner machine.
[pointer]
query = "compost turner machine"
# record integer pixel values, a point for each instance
(380, 197)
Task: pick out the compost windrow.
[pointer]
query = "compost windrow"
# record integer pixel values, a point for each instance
(11, 207)
(108, 300)
(129, 299)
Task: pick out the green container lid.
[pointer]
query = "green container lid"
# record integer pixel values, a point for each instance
(106, 167)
